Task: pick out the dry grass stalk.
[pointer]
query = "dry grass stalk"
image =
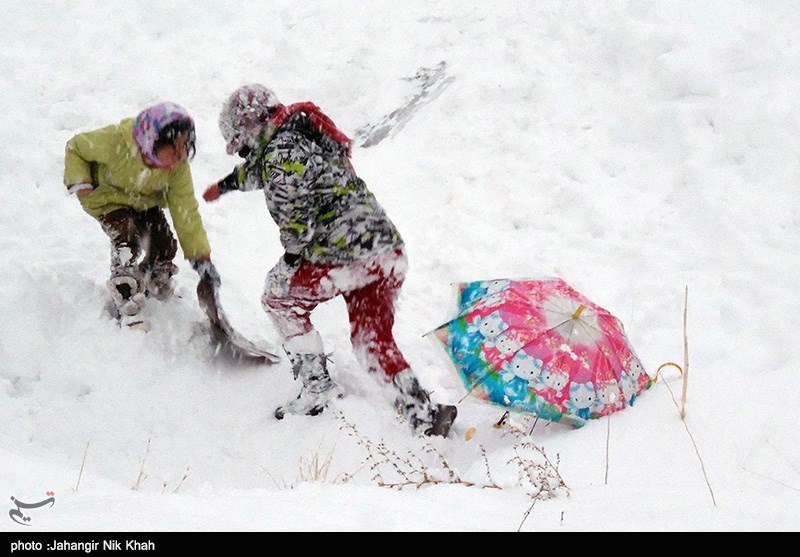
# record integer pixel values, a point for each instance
(537, 474)
(525, 516)
(770, 479)
(183, 479)
(681, 407)
(395, 471)
(316, 468)
(83, 462)
(540, 474)
(142, 476)
(685, 353)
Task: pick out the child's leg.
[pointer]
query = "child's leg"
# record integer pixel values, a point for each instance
(162, 246)
(124, 229)
(157, 266)
(371, 312)
(291, 314)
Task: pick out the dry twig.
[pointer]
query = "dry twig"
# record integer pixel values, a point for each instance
(142, 476)
(83, 462)
(180, 483)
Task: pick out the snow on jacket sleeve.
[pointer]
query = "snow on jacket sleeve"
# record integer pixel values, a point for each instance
(97, 146)
(183, 209)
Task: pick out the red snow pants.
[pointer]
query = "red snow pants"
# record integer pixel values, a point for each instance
(370, 289)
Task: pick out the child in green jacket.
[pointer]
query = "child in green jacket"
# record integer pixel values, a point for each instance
(124, 175)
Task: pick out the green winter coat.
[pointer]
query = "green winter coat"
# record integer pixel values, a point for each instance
(109, 159)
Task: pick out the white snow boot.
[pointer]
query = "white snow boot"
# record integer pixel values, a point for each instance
(415, 404)
(159, 280)
(125, 293)
(310, 364)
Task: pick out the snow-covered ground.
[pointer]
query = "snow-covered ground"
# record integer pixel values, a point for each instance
(632, 148)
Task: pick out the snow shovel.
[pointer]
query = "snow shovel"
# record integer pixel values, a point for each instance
(227, 339)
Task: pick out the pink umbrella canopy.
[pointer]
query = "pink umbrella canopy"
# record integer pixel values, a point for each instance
(541, 346)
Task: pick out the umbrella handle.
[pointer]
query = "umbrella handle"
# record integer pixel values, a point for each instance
(680, 369)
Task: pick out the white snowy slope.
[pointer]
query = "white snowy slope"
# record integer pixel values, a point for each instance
(632, 148)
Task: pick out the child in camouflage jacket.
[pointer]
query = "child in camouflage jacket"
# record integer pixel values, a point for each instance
(337, 239)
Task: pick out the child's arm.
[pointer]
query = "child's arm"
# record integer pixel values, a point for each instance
(185, 215)
(82, 151)
(231, 182)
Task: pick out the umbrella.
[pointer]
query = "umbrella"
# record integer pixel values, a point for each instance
(540, 346)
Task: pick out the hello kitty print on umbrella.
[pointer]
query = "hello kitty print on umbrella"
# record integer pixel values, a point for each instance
(540, 346)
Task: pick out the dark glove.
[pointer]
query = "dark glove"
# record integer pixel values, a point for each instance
(207, 271)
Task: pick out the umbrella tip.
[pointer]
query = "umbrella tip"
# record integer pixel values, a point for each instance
(501, 421)
(578, 311)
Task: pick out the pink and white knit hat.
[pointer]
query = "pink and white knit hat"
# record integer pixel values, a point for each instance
(150, 122)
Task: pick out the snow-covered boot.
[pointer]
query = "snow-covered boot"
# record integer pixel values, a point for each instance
(310, 364)
(415, 404)
(124, 290)
(443, 417)
(159, 280)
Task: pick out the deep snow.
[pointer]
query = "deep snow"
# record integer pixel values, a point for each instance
(632, 148)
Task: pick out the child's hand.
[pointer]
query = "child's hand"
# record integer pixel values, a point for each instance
(206, 269)
(212, 192)
(81, 189)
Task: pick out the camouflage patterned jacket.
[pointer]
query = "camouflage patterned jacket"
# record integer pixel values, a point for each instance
(325, 212)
